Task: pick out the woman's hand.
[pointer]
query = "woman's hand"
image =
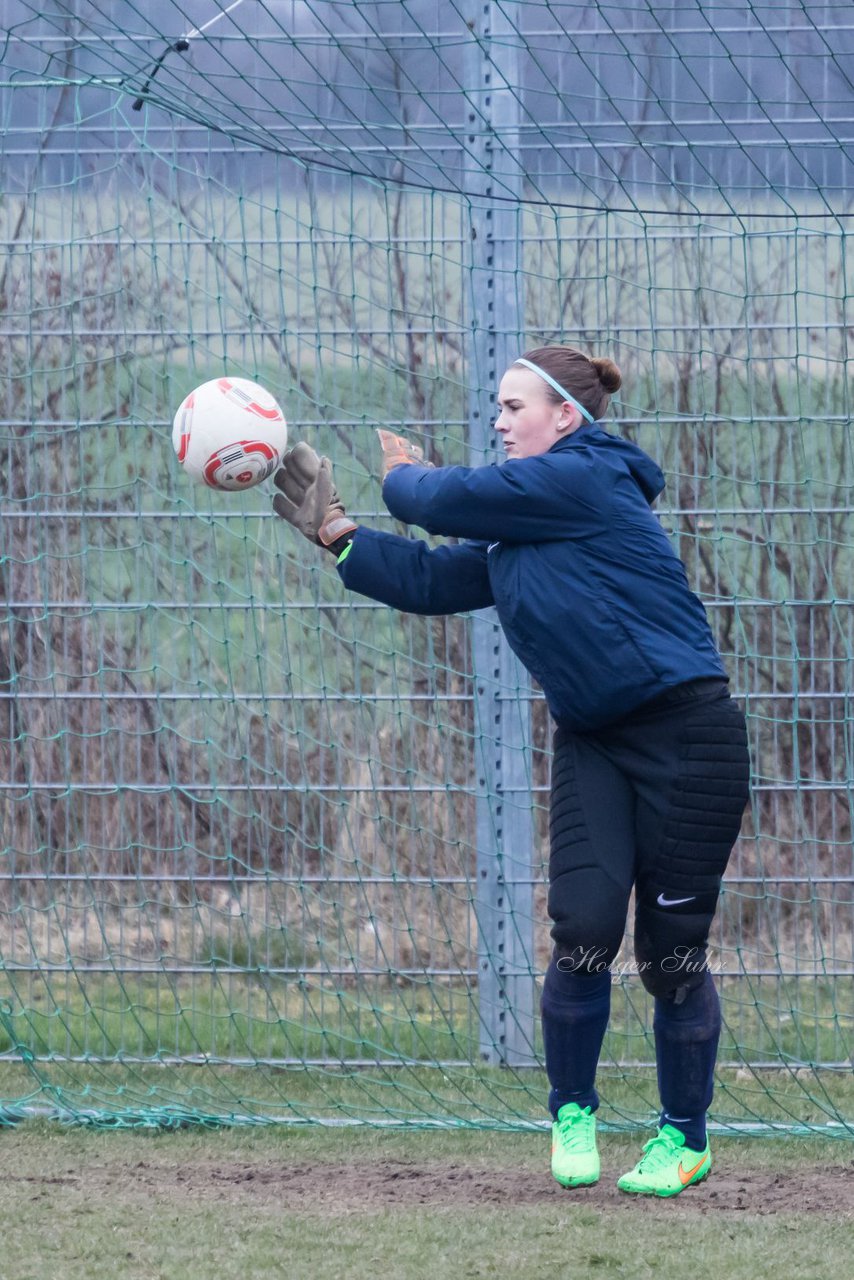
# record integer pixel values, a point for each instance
(308, 499)
(398, 451)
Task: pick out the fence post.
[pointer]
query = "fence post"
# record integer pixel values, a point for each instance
(504, 824)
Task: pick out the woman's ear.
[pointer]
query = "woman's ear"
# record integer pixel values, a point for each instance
(569, 418)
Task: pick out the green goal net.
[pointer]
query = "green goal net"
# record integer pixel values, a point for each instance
(273, 853)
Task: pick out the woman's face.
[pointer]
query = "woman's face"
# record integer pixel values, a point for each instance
(529, 422)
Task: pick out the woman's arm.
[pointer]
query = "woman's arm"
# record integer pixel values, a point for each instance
(524, 500)
(413, 577)
(396, 571)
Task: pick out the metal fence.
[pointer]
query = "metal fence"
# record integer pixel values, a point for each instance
(216, 765)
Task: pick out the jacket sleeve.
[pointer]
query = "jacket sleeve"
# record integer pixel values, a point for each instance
(415, 578)
(537, 499)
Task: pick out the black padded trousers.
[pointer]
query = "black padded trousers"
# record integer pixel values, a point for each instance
(654, 801)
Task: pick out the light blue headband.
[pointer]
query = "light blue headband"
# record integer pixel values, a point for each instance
(562, 391)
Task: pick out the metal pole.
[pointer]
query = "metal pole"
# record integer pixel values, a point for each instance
(504, 894)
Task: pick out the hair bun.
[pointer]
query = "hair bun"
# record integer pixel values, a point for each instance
(609, 375)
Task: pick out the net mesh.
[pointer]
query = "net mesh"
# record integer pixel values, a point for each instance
(246, 817)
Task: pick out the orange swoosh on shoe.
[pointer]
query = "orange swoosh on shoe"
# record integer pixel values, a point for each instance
(685, 1177)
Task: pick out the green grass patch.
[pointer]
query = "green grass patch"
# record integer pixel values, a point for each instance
(263, 995)
(239, 1046)
(306, 1203)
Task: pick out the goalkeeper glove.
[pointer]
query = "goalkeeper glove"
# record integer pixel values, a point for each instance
(397, 451)
(309, 501)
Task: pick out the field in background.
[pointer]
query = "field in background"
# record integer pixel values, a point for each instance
(158, 1092)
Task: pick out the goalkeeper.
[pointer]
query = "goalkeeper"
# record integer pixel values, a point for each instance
(650, 769)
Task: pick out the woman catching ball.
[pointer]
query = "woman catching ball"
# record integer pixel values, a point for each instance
(650, 770)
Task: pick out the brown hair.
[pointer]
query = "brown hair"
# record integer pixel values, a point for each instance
(591, 380)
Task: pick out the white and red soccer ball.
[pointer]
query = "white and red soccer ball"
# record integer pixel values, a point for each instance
(230, 434)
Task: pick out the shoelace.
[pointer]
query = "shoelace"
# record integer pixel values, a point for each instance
(657, 1152)
(577, 1132)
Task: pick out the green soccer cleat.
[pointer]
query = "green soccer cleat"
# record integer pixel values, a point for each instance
(667, 1166)
(575, 1160)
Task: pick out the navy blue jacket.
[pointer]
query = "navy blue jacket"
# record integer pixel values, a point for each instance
(590, 594)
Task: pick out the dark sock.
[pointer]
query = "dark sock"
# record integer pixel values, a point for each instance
(575, 1009)
(686, 1047)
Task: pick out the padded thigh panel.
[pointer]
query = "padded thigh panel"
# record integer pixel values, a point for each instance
(591, 862)
(684, 843)
(684, 847)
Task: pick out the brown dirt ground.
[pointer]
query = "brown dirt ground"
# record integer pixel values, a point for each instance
(373, 1186)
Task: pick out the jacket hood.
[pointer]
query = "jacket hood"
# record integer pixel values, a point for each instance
(646, 474)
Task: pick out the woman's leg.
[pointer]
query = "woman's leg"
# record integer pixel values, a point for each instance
(691, 773)
(686, 1047)
(591, 866)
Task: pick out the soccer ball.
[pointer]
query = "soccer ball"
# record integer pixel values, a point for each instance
(230, 434)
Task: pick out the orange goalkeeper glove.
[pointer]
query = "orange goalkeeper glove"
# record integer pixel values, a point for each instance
(397, 451)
